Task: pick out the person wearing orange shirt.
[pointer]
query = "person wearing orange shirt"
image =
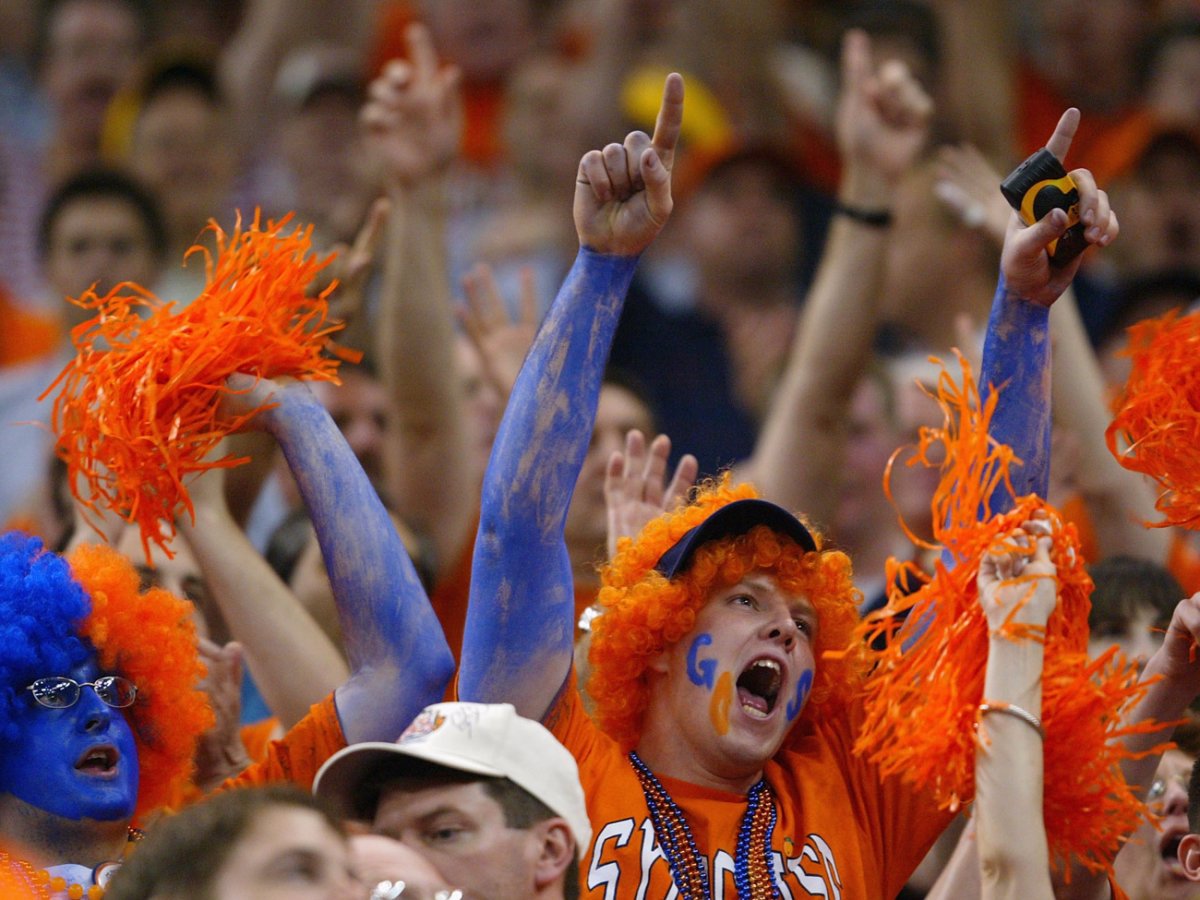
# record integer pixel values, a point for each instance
(721, 753)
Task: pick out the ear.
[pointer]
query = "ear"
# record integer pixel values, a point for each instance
(1189, 856)
(555, 852)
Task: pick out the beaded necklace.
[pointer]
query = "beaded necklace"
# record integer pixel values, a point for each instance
(752, 871)
(16, 874)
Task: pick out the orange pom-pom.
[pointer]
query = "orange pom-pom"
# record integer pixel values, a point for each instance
(137, 409)
(923, 696)
(1158, 414)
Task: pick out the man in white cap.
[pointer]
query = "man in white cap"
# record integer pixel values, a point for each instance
(491, 799)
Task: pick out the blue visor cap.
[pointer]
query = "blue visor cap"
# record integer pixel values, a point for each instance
(736, 518)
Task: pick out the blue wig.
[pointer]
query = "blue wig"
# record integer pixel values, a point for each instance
(41, 608)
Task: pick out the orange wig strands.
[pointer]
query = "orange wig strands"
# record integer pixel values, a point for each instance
(923, 696)
(644, 613)
(137, 408)
(151, 640)
(1158, 414)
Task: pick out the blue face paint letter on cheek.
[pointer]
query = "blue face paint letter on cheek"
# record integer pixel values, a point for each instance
(702, 673)
(802, 689)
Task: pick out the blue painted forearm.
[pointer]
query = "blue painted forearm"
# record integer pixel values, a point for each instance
(1016, 361)
(398, 656)
(520, 623)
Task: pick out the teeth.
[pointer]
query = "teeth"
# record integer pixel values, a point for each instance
(768, 664)
(753, 712)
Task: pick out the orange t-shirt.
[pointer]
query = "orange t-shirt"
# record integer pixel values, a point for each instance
(26, 334)
(842, 831)
(297, 756)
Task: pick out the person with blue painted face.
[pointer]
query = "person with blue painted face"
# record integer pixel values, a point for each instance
(99, 712)
(99, 707)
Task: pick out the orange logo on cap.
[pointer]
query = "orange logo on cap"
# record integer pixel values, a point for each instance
(427, 722)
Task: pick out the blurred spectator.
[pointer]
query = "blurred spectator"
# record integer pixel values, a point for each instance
(1171, 70)
(318, 92)
(98, 229)
(181, 147)
(710, 351)
(1132, 605)
(262, 843)
(1148, 866)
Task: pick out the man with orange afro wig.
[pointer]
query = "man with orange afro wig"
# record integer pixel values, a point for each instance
(721, 760)
(99, 711)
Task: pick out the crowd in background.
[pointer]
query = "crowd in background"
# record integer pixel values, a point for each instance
(444, 183)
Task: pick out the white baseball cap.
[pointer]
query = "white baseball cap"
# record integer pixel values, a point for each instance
(487, 739)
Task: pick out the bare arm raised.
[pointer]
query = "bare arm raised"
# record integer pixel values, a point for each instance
(412, 121)
(882, 123)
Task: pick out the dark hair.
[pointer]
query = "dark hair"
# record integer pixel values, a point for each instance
(193, 73)
(108, 184)
(910, 21)
(185, 853)
(521, 809)
(1159, 41)
(1126, 584)
(627, 381)
(1194, 798)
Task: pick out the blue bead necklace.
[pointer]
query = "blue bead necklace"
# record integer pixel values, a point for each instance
(752, 871)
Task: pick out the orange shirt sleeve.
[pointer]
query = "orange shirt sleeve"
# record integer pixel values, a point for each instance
(298, 755)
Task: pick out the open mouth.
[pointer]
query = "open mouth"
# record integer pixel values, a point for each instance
(1168, 848)
(99, 760)
(758, 687)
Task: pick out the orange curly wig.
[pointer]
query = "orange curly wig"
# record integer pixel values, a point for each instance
(644, 613)
(150, 639)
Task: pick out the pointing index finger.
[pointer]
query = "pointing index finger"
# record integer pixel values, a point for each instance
(420, 51)
(670, 120)
(1064, 131)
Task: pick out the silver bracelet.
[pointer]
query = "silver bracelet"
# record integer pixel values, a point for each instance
(1011, 709)
(586, 617)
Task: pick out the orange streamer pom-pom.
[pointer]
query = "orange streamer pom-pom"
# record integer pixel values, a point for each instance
(137, 409)
(922, 698)
(1158, 414)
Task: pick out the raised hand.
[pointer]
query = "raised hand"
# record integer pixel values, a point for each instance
(1024, 260)
(882, 122)
(636, 488)
(500, 340)
(354, 263)
(623, 192)
(966, 183)
(1017, 579)
(220, 753)
(413, 115)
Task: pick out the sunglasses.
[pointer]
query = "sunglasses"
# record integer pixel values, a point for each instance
(60, 692)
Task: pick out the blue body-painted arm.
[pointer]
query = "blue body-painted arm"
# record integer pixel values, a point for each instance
(399, 659)
(1016, 361)
(520, 622)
